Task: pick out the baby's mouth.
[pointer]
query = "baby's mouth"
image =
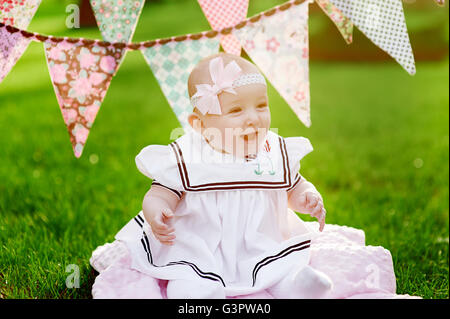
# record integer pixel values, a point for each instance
(250, 136)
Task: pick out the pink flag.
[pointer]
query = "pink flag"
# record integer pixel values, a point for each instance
(81, 74)
(12, 46)
(278, 45)
(222, 14)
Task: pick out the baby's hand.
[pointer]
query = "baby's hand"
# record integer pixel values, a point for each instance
(159, 222)
(313, 205)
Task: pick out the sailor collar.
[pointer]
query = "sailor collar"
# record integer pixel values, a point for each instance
(201, 168)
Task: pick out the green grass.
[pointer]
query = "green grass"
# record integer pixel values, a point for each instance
(381, 161)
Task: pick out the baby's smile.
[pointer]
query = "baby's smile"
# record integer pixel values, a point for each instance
(251, 136)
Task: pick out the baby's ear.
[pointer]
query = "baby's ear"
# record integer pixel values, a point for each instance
(195, 122)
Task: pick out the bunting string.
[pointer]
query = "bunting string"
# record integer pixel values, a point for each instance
(148, 44)
(276, 40)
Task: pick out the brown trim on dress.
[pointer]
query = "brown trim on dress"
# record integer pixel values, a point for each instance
(178, 165)
(182, 169)
(179, 194)
(296, 247)
(297, 179)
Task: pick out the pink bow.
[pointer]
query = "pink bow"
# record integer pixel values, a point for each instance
(207, 95)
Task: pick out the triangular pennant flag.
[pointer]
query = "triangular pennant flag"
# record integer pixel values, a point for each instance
(383, 22)
(223, 14)
(18, 13)
(344, 25)
(278, 45)
(117, 20)
(172, 63)
(81, 74)
(13, 45)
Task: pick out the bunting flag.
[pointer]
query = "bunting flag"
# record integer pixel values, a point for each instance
(383, 22)
(344, 25)
(276, 40)
(172, 63)
(223, 14)
(81, 74)
(278, 45)
(13, 45)
(117, 20)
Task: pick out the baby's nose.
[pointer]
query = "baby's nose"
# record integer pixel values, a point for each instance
(252, 117)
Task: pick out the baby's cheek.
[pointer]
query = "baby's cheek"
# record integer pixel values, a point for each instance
(234, 128)
(266, 119)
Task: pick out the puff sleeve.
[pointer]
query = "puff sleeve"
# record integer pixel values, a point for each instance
(297, 148)
(158, 162)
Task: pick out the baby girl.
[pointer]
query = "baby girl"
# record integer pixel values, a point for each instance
(219, 218)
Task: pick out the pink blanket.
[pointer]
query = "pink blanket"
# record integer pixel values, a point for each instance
(357, 270)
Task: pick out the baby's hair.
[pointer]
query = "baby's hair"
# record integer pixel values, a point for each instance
(200, 73)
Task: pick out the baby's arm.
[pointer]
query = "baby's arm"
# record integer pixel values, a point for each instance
(158, 206)
(304, 198)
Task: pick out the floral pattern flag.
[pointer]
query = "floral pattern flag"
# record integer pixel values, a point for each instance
(278, 45)
(344, 25)
(117, 19)
(223, 14)
(383, 22)
(12, 46)
(17, 13)
(81, 74)
(172, 63)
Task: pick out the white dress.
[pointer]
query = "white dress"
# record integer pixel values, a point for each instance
(232, 223)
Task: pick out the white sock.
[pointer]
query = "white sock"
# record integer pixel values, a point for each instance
(312, 283)
(190, 289)
(307, 283)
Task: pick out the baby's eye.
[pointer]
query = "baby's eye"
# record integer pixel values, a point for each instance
(235, 110)
(262, 106)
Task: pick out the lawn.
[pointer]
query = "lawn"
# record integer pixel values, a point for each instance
(380, 160)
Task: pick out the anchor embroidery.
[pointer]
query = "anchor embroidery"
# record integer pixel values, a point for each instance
(265, 161)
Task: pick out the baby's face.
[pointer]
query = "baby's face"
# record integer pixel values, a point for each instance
(244, 121)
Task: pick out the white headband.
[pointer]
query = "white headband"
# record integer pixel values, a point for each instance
(224, 79)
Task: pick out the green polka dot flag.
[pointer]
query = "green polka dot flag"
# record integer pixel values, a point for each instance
(172, 63)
